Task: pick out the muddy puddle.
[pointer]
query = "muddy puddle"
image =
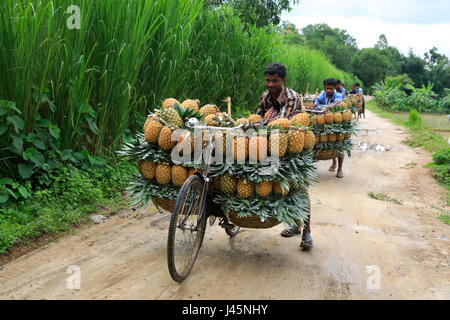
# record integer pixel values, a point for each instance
(370, 146)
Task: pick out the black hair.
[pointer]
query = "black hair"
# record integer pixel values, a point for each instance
(356, 84)
(276, 69)
(338, 82)
(329, 82)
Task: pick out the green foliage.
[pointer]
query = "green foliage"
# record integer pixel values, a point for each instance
(414, 119)
(383, 197)
(73, 195)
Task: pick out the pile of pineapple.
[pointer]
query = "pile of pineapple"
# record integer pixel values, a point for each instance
(353, 102)
(236, 187)
(333, 129)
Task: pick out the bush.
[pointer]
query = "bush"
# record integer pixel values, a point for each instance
(414, 119)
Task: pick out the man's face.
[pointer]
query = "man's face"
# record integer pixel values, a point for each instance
(355, 87)
(338, 87)
(329, 90)
(274, 83)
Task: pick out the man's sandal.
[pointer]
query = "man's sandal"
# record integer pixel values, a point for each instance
(290, 232)
(306, 245)
(340, 175)
(332, 168)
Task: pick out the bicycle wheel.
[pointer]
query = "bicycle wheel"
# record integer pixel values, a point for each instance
(186, 229)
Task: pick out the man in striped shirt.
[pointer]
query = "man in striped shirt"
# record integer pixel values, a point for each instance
(281, 102)
(278, 101)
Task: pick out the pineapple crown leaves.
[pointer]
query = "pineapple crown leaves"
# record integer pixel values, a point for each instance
(138, 149)
(290, 209)
(141, 191)
(187, 113)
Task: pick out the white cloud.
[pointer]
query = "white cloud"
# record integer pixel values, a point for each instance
(366, 20)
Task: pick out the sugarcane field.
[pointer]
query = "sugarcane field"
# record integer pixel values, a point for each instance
(236, 151)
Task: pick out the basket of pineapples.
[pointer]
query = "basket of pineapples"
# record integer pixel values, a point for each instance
(333, 131)
(250, 193)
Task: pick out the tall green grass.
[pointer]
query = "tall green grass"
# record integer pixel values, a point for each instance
(129, 56)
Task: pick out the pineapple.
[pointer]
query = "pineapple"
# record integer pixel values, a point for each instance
(184, 140)
(348, 135)
(337, 117)
(179, 175)
(191, 104)
(283, 123)
(323, 138)
(241, 121)
(169, 103)
(209, 109)
(314, 120)
(296, 141)
(281, 189)
(165, 139)
(245, 188)
(148, 169)
(216, 183)
(329, 117)
(172, 117)
(281, 144)
(163, 173)
(210, 120)
(301, 119)
(317, 139)
(227, 184)
(240, 149)
(310, 140)
(320, 119)
(332, 137)
(191, 171)
(149, 119)
(152, 131)
(340, 137)
(347, 115)
(258, 148)
(264, 188)
(254, 118)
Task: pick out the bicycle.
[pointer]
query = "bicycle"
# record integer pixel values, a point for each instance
(190, 215)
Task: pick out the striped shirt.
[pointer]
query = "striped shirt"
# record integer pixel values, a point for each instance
(287, 105)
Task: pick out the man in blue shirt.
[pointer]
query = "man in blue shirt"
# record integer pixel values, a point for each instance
(340, 89)
(329, 97)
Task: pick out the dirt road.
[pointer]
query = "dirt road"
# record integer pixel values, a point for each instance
(358, 241)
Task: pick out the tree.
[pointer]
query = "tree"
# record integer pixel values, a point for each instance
(382, 42)
(370, 66)
(414, 66)
(336, 43)
(258, 12)
(288, 28)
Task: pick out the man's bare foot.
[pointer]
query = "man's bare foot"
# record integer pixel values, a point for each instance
(333, 167)
(340, 174)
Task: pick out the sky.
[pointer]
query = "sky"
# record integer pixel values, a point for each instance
(416, 24)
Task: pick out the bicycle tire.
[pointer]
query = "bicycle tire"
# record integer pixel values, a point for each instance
(176, 274)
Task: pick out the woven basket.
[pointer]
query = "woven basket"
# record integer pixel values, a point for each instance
(327, 154)
(165, 204)
(252, 222)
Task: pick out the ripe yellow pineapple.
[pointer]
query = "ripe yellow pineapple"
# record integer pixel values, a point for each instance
(148, 169)
(210, 120)
(317, 139)
(280, 189)
(320, 119)
(163, 173)
(258, 148)
(227, 184)
(278, 140)
(169, 103)
(191, 104)
(245, 188)
(329, 117)
(314, 120)
(149, 119)
(165, 139)
(347, 115)
(310, 140)
(332, 137)
(254, 118)
(241, 121)
(301, 119)
(283, 123)
(337, 117)
(296, 141)
(348, 135)
(179, 175)
(324, 138)
(152, 131)
(209, 109)
(171, 117)
(264, 188)
(340, 137)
